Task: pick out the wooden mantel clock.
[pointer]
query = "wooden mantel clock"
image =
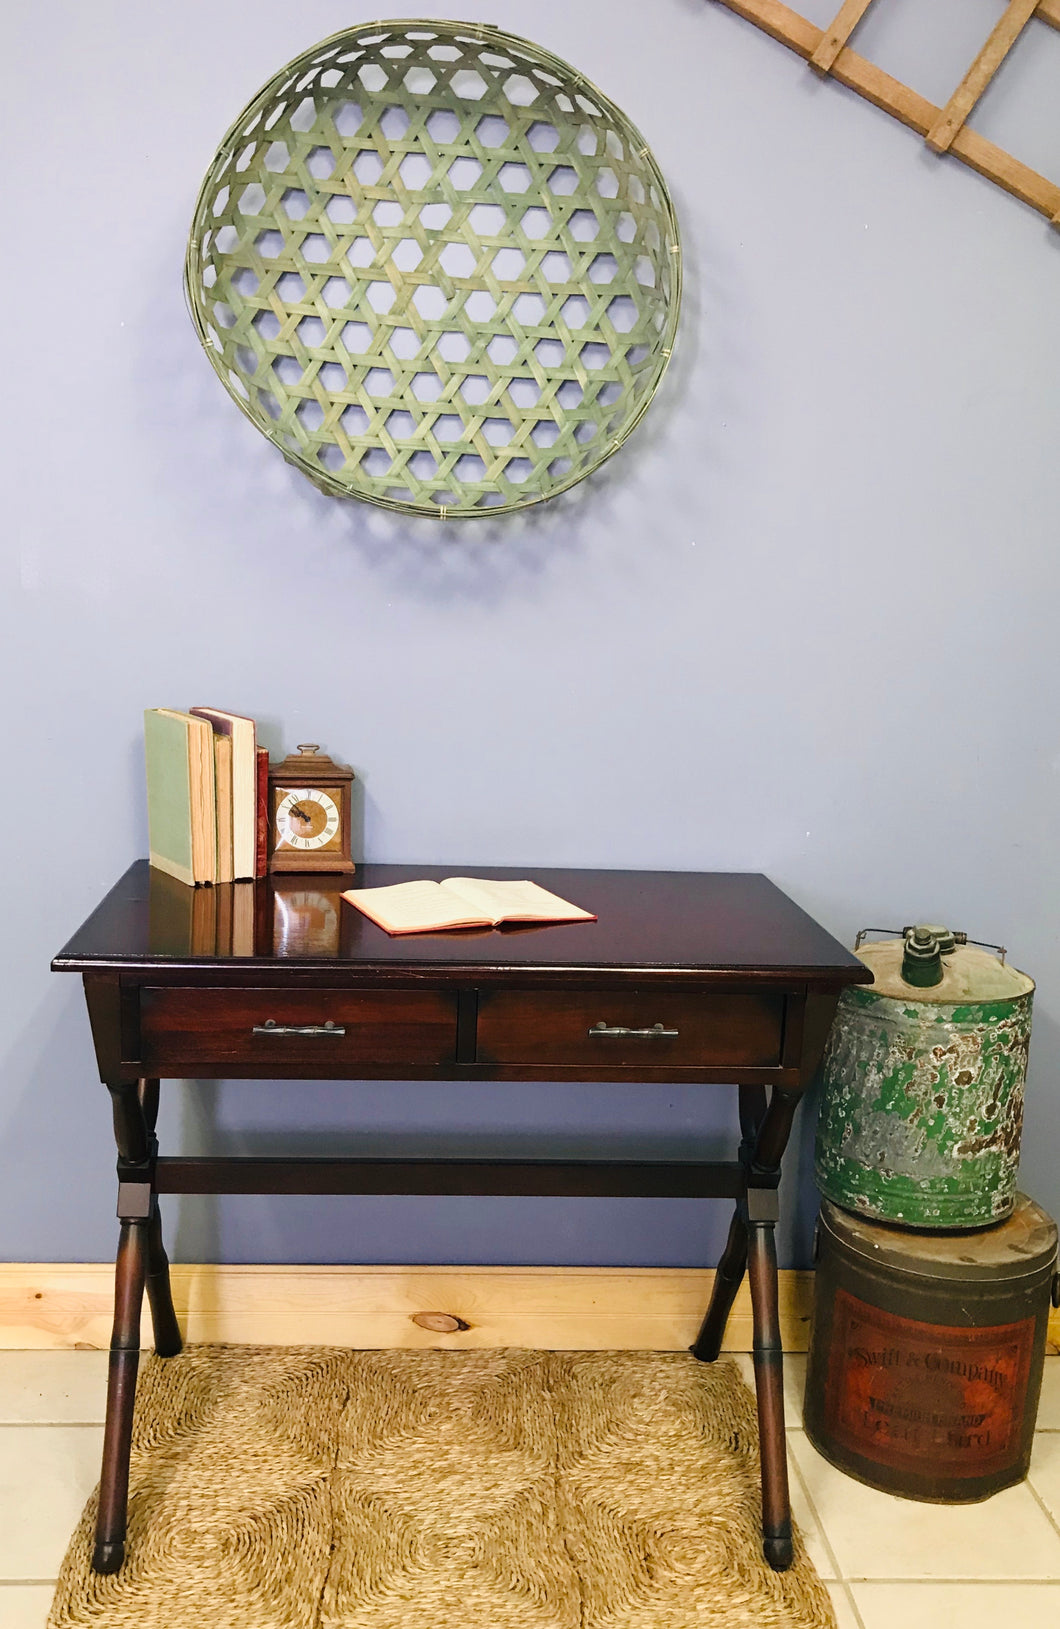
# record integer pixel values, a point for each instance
(310, 819)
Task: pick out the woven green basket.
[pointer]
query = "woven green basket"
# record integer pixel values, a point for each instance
(437, 268)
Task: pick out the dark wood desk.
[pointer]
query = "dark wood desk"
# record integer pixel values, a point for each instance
(711, 978)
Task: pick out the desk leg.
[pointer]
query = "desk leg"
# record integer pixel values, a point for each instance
(164, 1323)
(733, 1263)
(147, 1092)
(769, 1385)
(751, 1247)
(129, 1276)
(135, 1115)
(727, 1281)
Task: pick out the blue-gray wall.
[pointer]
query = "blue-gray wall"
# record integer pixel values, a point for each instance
(804, 623)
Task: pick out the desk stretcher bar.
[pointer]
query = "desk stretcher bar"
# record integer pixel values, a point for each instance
(639, 1179)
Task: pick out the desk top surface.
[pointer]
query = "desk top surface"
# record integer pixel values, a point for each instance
(651, 921)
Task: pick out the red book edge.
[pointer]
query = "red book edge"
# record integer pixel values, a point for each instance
(261, 854)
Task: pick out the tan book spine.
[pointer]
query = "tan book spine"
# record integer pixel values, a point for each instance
(203, 801)
(244, 736)
(222, 758)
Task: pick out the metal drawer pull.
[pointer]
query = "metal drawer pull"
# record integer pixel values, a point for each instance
(657, 1032)
(271, 1027)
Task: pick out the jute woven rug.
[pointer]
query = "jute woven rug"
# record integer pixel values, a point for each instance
(309, 1488)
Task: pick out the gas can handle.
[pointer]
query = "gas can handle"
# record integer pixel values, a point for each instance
(900, 933)
(888, 933)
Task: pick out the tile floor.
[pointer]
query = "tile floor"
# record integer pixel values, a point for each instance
(896, 1564)
(887, 1561)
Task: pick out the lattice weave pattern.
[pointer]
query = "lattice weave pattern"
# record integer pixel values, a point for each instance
(310, 1488)
(437, 268)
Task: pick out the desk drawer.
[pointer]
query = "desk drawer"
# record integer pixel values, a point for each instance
(553, 1027)
(289, 1028)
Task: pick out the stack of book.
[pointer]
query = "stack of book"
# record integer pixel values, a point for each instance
(207, 795)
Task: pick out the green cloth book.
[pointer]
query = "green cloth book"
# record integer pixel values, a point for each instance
(181, 798)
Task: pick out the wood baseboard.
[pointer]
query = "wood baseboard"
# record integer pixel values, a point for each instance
(57, 1306)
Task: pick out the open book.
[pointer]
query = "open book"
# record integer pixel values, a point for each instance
(461, 902)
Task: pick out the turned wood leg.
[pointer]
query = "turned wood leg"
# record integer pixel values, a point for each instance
(135, 1117)
(733, 1263)
(129, 1275)
(769, 1379)
(727, 1281)
(130, 1126)
(164, 1323)
(147, 1091)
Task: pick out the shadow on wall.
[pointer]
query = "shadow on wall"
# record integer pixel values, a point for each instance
(59, 1122)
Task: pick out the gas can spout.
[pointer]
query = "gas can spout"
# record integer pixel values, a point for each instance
(922, 958)
(948, 940)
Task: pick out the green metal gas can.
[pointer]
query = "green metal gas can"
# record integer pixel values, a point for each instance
(922, 1099)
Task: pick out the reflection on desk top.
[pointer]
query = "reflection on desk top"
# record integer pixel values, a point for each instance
(657, 922)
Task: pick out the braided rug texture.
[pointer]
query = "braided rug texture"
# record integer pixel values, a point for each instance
(309, 1488)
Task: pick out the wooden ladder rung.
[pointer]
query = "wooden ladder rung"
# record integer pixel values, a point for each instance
(1003, 37)
(837, 33)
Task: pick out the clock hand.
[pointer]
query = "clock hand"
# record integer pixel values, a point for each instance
(307, 818)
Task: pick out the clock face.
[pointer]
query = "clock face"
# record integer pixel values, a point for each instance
(307, 819)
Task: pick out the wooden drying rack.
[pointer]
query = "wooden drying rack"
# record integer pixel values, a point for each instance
(945, 129)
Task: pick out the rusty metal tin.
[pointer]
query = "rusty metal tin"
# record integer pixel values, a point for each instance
(922, 1095)
(926, 1352)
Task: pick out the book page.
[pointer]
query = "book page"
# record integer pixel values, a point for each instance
(416, 907)
(515, 901)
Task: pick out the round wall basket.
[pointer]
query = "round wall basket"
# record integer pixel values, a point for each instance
(437, 268)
